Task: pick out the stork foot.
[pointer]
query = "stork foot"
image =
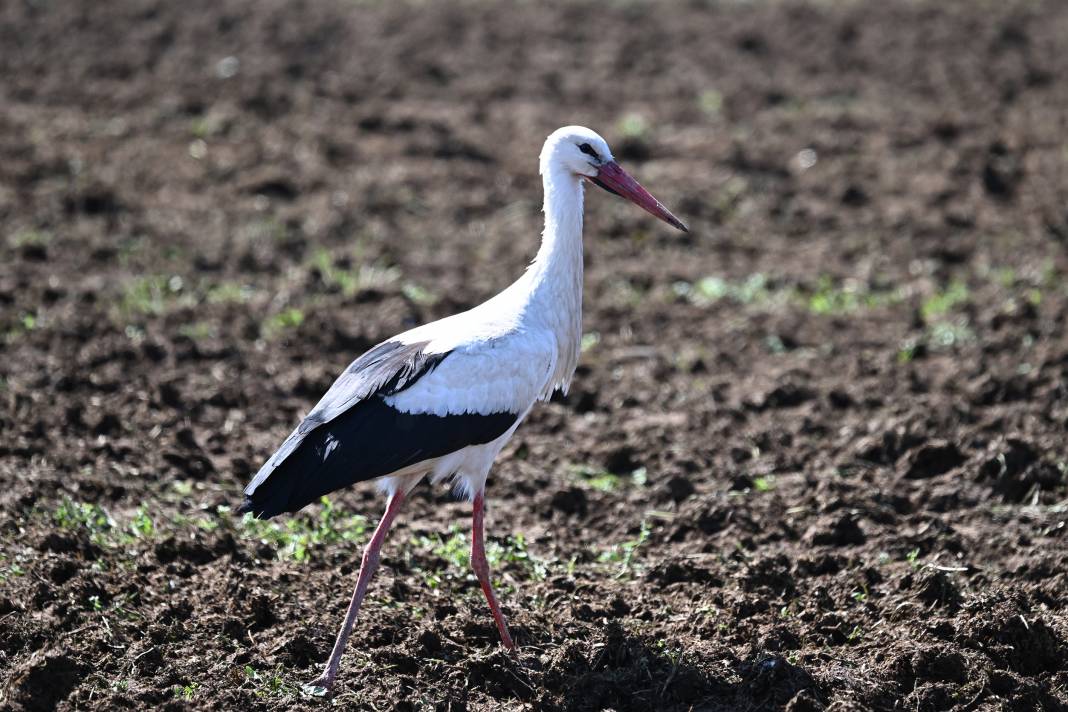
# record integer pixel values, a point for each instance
(502, 628)
(320, 686)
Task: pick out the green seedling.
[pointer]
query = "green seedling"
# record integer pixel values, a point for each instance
(710, 102)
(154, 295)
(634, 127)
(283, 321)
(29, 238)
(942, 302)
(229, 293)
(353, 280)
(186, 692)
(764, 484)
(419, 295)
(270, 684)
(197, 331)
(625, 553)
(300, 536)
(589, 340)
(142, 525)
(602, 480)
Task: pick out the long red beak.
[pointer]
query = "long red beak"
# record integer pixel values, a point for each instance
(615, 180)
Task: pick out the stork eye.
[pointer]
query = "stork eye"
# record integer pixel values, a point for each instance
(585, 148)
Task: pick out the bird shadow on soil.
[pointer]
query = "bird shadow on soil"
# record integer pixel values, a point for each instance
(621, 670)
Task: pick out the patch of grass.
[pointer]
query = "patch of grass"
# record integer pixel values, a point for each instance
(515, 551)
(270, 684)
(154, 295)
(298, 537)
(205, 126)
(625, 553)
(13, 569)
(907, 352)
(943, 330)
(834, 298)
(633, 126)
(419, 295)
(336, 275)
(764, 484)
(595, 477)
(947, 334)
(92, 518)
(182, 487)
(828, 297)
(29, 238)
(101, 527)
(752, 290)
(600, 479)
(455, 550)
(710, 102)
(185, 692)
(943, 301)
(229, 293)
(281, 322)
(198, 330)
(23, 325)
(142, 525)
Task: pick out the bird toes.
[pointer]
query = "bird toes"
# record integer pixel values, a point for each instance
(319, 687)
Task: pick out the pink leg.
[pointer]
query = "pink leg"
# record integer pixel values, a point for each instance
(367, 569)
(481, 567)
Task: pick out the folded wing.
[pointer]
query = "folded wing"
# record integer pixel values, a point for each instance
(359, 431)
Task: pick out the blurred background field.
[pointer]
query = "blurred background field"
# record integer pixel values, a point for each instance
(814, 457)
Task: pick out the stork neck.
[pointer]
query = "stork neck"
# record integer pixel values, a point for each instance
(557, 269)
(555, 276)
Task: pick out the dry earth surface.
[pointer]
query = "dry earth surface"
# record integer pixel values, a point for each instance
(814, 457)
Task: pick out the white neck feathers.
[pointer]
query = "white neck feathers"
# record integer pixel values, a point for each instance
(554, 278)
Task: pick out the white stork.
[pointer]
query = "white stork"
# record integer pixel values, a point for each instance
(442, 400)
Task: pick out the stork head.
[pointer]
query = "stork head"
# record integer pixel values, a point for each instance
(582, 152)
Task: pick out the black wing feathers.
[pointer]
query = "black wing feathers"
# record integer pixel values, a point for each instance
(353, 435)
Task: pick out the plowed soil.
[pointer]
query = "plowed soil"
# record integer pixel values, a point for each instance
(814, 457)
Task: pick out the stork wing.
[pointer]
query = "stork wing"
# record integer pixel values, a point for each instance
(396, 406)
(386, 369)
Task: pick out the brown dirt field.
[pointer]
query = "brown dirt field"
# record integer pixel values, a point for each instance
(815, 454)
